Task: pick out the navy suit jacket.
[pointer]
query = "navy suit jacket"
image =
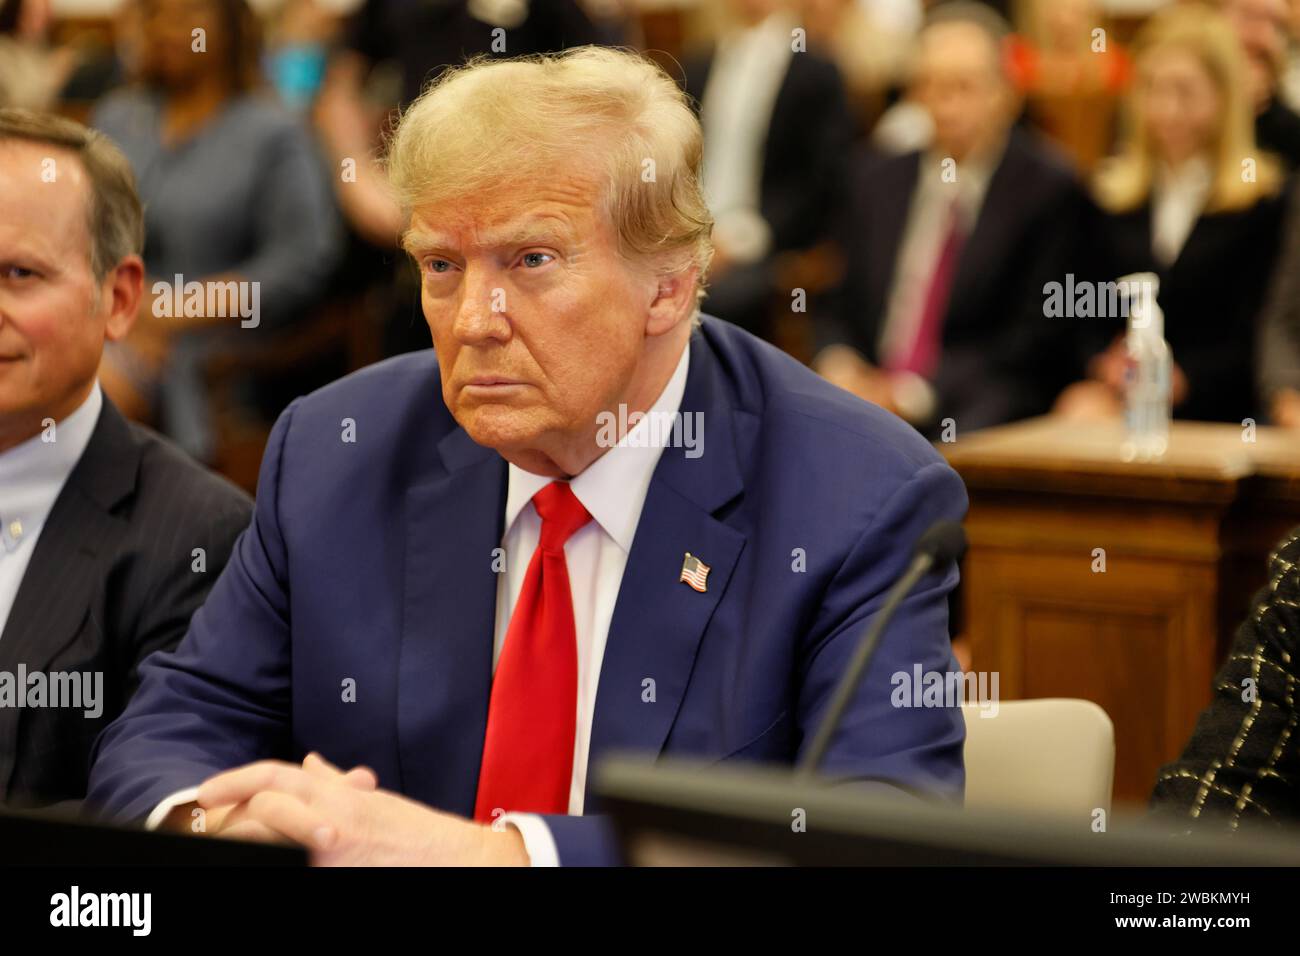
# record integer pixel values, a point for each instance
(372, 561)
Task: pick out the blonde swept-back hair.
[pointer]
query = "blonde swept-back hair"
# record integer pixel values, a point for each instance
(1124, 182)
(494, 124)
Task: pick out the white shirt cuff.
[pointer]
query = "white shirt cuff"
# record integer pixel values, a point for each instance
(188, 795)
(538, 840)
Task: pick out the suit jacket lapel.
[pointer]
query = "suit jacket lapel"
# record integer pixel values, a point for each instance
(990, 235)
(1189, 254)
(68, 565)
(885, 220)
(445, 676)
(787, 99)
(695, 78)
(659, 620)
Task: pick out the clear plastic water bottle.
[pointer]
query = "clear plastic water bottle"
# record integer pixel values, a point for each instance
(1147, 380)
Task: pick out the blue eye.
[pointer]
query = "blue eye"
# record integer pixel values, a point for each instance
(530, 255)
(433, 263)
(18, 272)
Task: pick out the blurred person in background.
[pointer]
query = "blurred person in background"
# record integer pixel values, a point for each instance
(1191, 199)
(777, 131)
(300, 37)
(420, 40)
(1056, 49)
(1277, 354)
(31, 72)
(104, 62)
(234, 192)
(870, 52)
(1289, 81)
(948, 250)
(906, 126)
(1262, 26)
(1072, 72)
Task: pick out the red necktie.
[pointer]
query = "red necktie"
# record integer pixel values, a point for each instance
(921, 355)
(532, 716)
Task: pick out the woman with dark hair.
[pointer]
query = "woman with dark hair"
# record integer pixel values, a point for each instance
(237, 207)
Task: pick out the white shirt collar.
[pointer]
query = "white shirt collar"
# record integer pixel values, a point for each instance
(1194, 178)
(972, 183)
(614, 486)
(1177, 201)
(32, 474)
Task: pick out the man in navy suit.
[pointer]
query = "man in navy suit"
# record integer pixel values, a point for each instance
(586, 521)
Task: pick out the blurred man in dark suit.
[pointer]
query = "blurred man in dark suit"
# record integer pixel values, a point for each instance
(109, 537)
(777, 129)
(948, 250)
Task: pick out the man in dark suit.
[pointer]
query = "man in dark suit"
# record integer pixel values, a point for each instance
(109, 537)
(581, 524)
(948, 250)
(777, 130)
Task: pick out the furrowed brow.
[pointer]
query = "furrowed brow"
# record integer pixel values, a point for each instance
(416, 241)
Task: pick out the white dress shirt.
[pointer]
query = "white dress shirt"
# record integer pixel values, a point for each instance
(748, 69)
(924, 235)
(922, 240)
(1177, 201)
(613, 489)
(31, 477)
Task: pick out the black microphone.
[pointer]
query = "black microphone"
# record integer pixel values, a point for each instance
(944, 541)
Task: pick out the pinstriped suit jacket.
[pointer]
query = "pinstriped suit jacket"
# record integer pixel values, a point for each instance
(114, 577)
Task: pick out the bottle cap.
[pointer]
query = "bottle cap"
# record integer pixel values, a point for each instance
(1141, 294)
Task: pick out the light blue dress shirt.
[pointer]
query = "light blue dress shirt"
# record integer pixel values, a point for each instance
(31, 477)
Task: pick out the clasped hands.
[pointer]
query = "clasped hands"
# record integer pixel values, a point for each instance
(343, 818)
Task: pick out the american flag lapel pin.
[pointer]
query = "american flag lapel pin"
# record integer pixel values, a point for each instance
(695, 573)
